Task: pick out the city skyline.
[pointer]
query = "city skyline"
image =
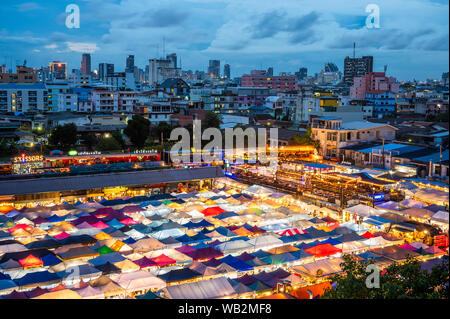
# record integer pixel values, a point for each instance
(284, 36)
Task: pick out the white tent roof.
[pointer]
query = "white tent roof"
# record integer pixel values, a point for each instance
(440, 216)
(138, 280)
(265, 241)
(355, 227)
(325, 266)
(352, 246)
(90, 292)
(233, 246)
(363, 210)
(378, 242)
(206, 289)
(431, 195)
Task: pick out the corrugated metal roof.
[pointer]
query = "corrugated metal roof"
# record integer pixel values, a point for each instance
(82, 182)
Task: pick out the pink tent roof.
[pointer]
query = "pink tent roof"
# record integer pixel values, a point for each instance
(100, 225)
(61, 236)
(185, 249)
(408, 246)
(144, 262)
(128, 221)
(291, 232)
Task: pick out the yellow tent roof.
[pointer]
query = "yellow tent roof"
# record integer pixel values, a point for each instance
(102, 236)
(127, 266)
(60, 294)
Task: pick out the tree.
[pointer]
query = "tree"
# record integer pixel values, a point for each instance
(211, 120)
(108, 144)
(397, 281)
(119, 138)
(138, 130)
(64, 136)
(304, 139)
(162, 127)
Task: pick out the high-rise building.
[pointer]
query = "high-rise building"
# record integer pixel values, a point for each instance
(23, 75)
(172, 57)
(104, 70)
(270, 71)
(279, 83)
(86, 64)
(58, 70)
(214, 69)
(302, 74)
(356, 67)
(162, 69)
(129, 68)
(226, 71)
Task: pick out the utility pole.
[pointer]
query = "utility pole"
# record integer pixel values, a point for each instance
(383, 154)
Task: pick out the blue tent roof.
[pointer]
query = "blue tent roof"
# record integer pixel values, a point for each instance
(235, 263)
(330, 241)
(36, 278)
(51, 260)
(103, 259)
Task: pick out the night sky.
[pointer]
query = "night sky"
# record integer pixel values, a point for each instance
(412, 40)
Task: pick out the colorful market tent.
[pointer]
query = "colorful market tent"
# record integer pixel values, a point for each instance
(207, 289)
(323, 250)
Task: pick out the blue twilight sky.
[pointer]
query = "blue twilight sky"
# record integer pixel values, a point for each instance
(412, 40)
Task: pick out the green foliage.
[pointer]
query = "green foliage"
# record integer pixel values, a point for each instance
(64, 137)
(7, 149)
(162, 127)
(119, 138)
(108, 144)
(90, 141)
(211, 120)
(398, 281)
(138, 130)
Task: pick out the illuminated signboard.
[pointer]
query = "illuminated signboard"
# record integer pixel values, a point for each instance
(377, 197)
(28, 159)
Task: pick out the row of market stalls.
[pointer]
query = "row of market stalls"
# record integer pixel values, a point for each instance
(237, 241)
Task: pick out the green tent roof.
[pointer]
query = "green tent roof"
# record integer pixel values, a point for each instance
(105, 250)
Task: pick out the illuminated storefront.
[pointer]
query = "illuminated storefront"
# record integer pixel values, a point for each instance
(27, 164)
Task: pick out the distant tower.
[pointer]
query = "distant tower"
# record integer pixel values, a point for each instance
(86, 63)
(129, 68)
(226, 71)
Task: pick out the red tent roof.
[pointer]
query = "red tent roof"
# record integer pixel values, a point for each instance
(31, 261)
(20, 226)
(212, 211)
(163, 260)
(367, 235)
(323, 250)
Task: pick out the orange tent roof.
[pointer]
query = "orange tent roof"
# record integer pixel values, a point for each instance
(242, 231)
(31, 261)
(310, 292)
(5, 209)
(278, 296)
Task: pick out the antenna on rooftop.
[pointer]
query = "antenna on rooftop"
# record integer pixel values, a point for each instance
(385, 68)
(164, 47)
(354, 50)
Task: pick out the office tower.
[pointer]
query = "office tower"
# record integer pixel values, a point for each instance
(214, 68)
(172, 57)
(302, 74)
(86, 64)
(162, 69)
(104, 70)
(270, 72)
(356, 67)
(226, 71)
(129, 68)
(58, 70)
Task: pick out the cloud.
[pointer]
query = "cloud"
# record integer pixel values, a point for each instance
(82, 47)
(51, 46)
(159, 18)
(28, 6)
